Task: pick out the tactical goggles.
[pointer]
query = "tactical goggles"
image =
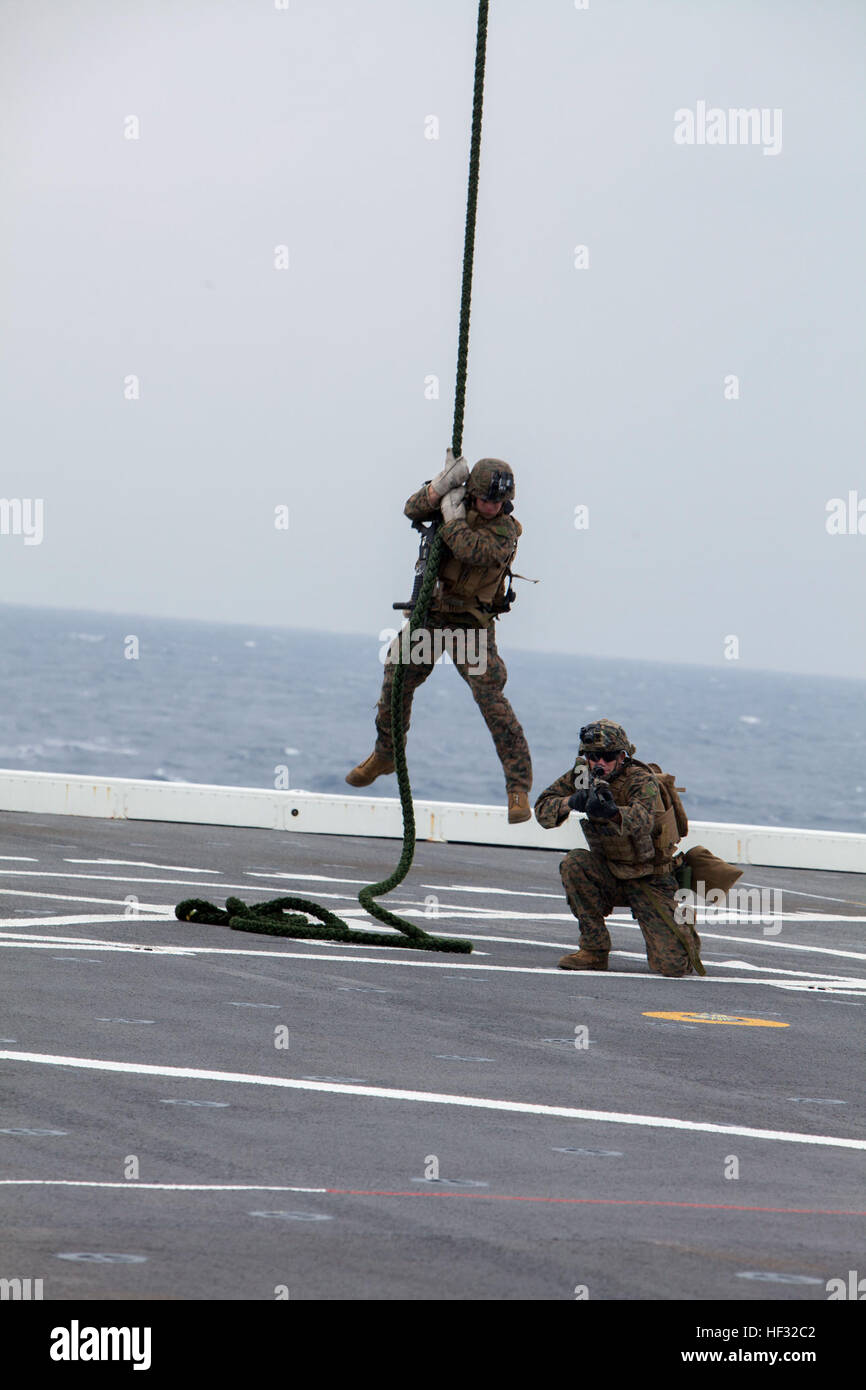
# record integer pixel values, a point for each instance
(608, 757)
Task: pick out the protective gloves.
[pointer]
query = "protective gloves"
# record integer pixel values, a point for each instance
(452, 505)
(455, 472)
(578, 801)
(600, 804)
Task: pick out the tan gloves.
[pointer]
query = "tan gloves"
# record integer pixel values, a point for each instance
(455, 472)
(452, 505)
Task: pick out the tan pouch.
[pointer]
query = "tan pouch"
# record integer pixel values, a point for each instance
(709, 869)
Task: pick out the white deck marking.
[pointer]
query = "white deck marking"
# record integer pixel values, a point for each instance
(519, 893)
(71, 898)
(305, 878)
(23, 858)
(633, 926)
(566, 1112)
(412, 906)
(503, 892)
(156, 1186)
(88, 919)
(144, 864)
(23, 940)
(747, 965)
(795, 893)
(73, 943)
(172, 882)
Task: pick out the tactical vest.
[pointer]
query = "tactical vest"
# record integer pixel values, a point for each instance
(476, 589)
(634, 856)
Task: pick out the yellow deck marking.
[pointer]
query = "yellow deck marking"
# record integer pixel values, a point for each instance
(739, 1020)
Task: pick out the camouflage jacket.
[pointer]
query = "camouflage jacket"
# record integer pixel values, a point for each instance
(638, 840)
(481, 550)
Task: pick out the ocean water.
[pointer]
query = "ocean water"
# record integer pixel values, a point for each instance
(223, 703)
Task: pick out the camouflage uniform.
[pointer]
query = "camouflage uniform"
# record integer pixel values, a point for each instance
(474, 544)
(625, 866)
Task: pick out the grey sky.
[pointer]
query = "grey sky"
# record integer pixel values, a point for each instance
(602, 386)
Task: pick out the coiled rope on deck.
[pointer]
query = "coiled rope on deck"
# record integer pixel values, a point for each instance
(282, 916)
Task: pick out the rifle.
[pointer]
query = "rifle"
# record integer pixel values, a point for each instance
(427, 534)
(585, 778)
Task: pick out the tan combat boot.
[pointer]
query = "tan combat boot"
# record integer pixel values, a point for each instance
(585, 960)
(367, 771)
(518, 807)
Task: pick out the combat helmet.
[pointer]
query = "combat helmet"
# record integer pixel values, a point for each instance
(491, 479)
(604, 736)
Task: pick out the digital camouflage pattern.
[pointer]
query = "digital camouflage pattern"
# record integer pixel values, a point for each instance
(479, 543)
(593, 892)
(490, 543)
(639, 877)
(487, 690)
(481, 476)
(604, 736)
(626, 841)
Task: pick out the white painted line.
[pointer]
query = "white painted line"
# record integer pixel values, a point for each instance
(633, 926)
(143, 864)
(565, 1112)
(35, 938)
(23, 858)
(411, 907)
(71, 898)
(784, 945)
(779, 970)
(87, 919)
(504, 892)
(133, 1183)
(819, 986)
(137, 878)
(746, 965)
(795, 893)
(304, 878)
(108, 947)
(22, 941)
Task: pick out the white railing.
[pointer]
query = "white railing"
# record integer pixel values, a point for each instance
(316, 813)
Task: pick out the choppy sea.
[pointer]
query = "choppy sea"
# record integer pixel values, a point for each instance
(223, 703)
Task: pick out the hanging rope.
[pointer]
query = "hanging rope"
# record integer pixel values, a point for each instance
(419, 612)
(276, 918)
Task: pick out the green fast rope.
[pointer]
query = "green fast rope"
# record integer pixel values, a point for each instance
(419, 612)
(276, 918)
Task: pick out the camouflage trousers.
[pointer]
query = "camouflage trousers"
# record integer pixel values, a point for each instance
(479, 663)
(593, 892)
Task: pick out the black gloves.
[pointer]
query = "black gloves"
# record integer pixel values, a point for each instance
(578, 801)
(600, 804)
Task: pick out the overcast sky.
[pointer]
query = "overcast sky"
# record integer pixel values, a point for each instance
(604, 386)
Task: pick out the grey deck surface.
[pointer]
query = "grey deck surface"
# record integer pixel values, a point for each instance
(527, 1205)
